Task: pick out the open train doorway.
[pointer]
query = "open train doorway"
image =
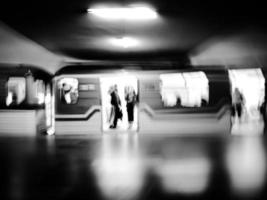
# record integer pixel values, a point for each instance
(118, 98)
(248, 92)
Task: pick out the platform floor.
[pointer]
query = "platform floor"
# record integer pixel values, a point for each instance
(132, 166)
(247, 126)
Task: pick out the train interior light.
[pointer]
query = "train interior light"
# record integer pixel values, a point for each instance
(16, 91)
(189, 89)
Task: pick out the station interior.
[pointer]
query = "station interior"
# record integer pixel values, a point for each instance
(129, 100)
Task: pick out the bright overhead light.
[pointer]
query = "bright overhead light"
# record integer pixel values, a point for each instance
(124, 13)
(125, 42)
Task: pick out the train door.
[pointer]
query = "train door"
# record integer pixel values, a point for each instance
(248, 85)
(124, 85)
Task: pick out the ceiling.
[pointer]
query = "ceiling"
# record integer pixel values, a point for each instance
(65, 28)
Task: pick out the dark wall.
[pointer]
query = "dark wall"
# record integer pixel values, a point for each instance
(219, 87)
(3, 90)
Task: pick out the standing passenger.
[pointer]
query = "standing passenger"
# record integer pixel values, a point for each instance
(238, 102)
(116, 105)
(66, 95)
(130, 98)
(263, 111)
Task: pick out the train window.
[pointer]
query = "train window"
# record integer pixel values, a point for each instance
(251, 85)
(35, 90)
(68, 88)
(40, 91)
(16, 91)
(189, 89)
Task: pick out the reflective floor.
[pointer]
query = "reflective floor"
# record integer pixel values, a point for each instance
(131, 166)
(248, 124)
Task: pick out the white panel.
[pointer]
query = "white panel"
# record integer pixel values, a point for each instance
(18, 122)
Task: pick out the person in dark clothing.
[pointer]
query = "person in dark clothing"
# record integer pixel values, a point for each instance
(116, 106)
(178, 102)
(238, 103)
(66, 91)
(130, 98)
(263, 111)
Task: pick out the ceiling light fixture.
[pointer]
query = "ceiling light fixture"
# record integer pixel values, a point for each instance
(124, 13)
(125, 42)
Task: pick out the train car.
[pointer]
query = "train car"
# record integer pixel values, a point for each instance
(25, 101)
(191, 100)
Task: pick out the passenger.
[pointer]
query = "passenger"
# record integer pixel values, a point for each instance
(12, 99)
(238, 103)
(74, 96)
(130, 97)
(66, 93)
(116, 106)
(110, 112)
(9, 99)
(204, 102)
(263, 111)
(178, 102)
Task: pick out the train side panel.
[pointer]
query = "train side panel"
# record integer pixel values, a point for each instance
(83, 117)
(215, 118)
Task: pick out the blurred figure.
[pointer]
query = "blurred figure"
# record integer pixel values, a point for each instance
(9, 99)
(110, 112)
(203, 102)
(69, 93)
(74, 96)
(130, 97)
(66, 93)
(116, 105)
(263, 112)
(238, 103)
(178, 101)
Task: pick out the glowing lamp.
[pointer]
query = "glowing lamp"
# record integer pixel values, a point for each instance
(125, 42)
(124, 13)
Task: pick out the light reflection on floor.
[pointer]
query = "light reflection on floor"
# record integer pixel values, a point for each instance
(186, 176)
(247, 126)
(246, 163)
(132, 166)
(118, 167)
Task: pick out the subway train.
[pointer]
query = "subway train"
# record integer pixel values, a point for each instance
(190, 100)
(76, 99)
